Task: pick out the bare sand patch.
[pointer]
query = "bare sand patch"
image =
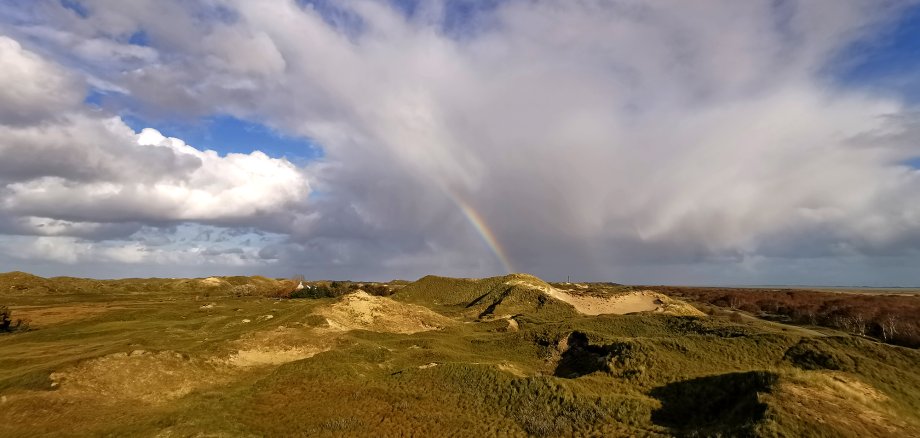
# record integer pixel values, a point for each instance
(511, 368)
(281, 345)
(272, 356)
(629, 302)
(361, 311)
(211, 282)
(620, 304)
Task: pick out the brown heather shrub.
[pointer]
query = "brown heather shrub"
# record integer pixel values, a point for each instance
(894, 319)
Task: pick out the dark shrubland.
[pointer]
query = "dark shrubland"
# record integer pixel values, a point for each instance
(334, 289)
(894, 319)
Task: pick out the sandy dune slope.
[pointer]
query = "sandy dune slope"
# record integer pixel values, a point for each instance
(362, 311)
(621, 304)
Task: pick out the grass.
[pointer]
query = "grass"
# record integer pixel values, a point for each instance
(495, 297)
(630, 375)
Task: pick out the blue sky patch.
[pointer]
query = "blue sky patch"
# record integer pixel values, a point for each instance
(332, 12)
(228, 134)
(913, 162)
(139, 38)
(76, 6)
(461, 17)
(94, 97)
(888, 60)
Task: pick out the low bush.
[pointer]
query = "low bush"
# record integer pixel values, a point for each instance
(335, 289)
(7, 323)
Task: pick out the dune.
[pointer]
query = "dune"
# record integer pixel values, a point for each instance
(620, 304)
(362, 311)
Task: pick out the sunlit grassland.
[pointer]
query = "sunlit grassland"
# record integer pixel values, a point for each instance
(639, 375)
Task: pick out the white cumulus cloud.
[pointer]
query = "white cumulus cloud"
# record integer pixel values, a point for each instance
(71, 175)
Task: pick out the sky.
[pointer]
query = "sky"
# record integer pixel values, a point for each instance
(646, 142)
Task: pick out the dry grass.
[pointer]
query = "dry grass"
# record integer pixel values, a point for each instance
(40, 316)
(839, 403)
(149, 377)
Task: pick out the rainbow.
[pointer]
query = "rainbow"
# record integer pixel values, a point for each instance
(487, 235)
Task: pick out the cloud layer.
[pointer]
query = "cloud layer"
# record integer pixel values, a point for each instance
(74, 176)
(641, 141)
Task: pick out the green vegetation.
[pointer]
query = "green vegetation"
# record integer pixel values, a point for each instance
(595, 289)
(112, 360)
(510, 295)
(335, 289)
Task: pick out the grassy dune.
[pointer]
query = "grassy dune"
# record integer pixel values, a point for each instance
(182, 358)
